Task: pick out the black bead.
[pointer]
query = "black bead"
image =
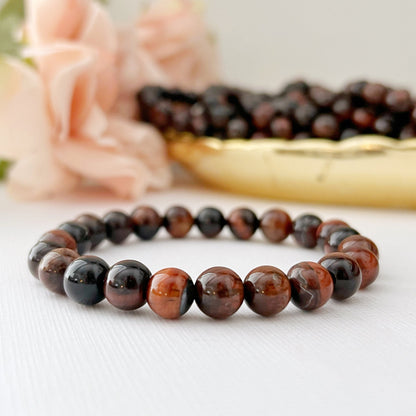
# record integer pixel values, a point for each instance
(146, 222)
(95, 226)
(188, 297)
(337, 236)
(345, 273)
(36, 254)
(80, 233)
(304, 230)
(118, 226)
(84, 280)
(210, 222)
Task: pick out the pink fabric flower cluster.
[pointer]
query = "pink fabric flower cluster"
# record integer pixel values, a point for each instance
(68, 120)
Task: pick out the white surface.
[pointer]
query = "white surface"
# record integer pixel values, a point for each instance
(352, 357)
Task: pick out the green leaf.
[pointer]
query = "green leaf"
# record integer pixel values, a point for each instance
(11, 17)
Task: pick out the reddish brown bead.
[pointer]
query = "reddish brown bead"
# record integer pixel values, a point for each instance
(219, 292)
(36, 254)
(323, 231)
(358, 242)
(243, 223)
(276, 225)
(267, 290)
(59, 238)
(368, 263)
(147, 222)
(52, 268)
(178, 221)
(170, 293)
(304, 230)
(311, 285)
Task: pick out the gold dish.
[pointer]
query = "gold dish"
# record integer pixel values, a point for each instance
(364, 170)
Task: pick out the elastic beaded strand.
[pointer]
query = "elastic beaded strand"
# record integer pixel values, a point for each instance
(351, 263)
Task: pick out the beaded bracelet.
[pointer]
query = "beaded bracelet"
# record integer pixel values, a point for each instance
(351, 262)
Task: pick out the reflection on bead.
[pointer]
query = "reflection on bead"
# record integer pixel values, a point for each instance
(170, 293)
(325, 229)
(84, 280)
(243, 223)
(368, 263)
(118, 226)
(311, 285)
(345, 273)
(358, 242)
(210, 222)
(276, 225)
(219, 292)
(53, 266)
(36, 254)
(95, 226)
(126, 284)
(178, 221)
(59, 238)
(267, 290)
(80, 233)
(337, 235)
(146, 222)
(304, 230)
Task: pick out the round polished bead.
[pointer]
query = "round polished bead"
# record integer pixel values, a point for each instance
(243, 223)
(146, 222)
(368, 263)
(95, 226)
(170, 293)
(80, 233)
(118, 226)
(178, 221)
(126, 284)
(59, 238)
(358, 242)
(267, 290)
(84, 280)
(325, 229)
(304, 230)
(345, 273)
(52, 268)
(36, 254)
(335, 238)
(219, 292)
(276, 225)
(210, 222)
(311, 285)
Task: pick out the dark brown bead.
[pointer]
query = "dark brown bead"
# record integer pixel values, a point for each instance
(408, 132)
(304, 230)
(219, 292)
(374, 93)
(160, 114)
(358, 242)
(36, 254)
(125, 286)
(80, 233)
(237, 128)
(267, 290)
(276, 225)
(326, 126)
(302, 135)
(53, 266)
(384, 125)
(368, 263)
(263, 114)
(311, 285)
(281, 127)
(178, 221)
(95, 226)
(348, 133)
(345, 273)
(305, 114)
(399, 101)
(342, 108)
(326, 228)
(170, 293)
(243, 223)
(259, 135)
(59, 238)
(210, 222)
(146, 222)
(336, 236)
(118, 226)
(363, 118)
(322, 96)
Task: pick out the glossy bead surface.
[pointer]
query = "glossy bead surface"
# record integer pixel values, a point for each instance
(59, 238)
(267, 290)
(325, 229)
(80, 233)
(118, 226)
(210, 222)
(84, 280)
(358, 242)
(304, 230)
(36, 254)
(146, 222)
(95, 226)
(368, 263)
(178, 221)
(311, 285)
(336, 236)
(52, 268)
(345, 273)
(170, 293)
(126, 284)
(219, 292)
(243, 223)
(276, 225)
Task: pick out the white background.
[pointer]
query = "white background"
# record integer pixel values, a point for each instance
(352, 357)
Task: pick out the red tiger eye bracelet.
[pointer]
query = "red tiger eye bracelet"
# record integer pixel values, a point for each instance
(58, 261)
